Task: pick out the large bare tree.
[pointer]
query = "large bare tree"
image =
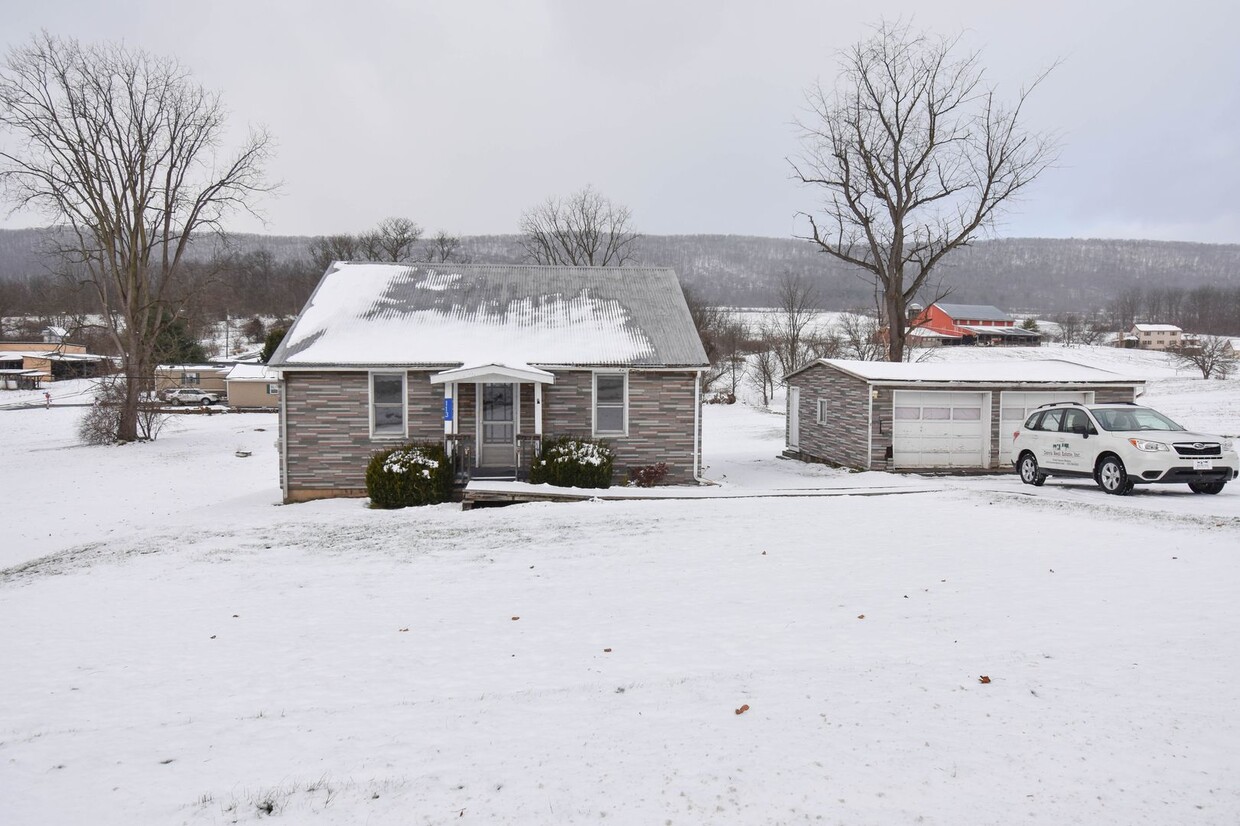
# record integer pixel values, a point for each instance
(914, 155)
(122, 150)
(585, 229)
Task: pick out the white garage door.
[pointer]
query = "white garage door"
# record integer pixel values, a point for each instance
(1014, 408)
(939, 429)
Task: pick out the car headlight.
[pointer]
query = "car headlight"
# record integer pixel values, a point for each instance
(1228, 444)
(1148, 446)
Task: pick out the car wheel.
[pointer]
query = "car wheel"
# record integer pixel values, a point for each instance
(176, 402)
(1206, 487)
(1112, 477)
(1029, 471)
(206, 402)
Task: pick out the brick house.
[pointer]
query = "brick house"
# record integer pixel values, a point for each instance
(490, 360)
(1156, 336)
(875, 415)
(946, 324)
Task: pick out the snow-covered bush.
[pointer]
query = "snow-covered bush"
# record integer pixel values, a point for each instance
(414, 474)
(102, 421)
(572, 462)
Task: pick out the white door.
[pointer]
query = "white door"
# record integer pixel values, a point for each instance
(934, 429)
(1015, 407)
(794, 417)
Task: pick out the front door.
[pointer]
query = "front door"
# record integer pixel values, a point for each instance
(499, 433)
(794, 418)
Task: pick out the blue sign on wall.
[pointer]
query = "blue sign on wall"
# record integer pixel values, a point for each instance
(447, 410)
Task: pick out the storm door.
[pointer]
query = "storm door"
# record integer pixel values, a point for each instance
(499, 432)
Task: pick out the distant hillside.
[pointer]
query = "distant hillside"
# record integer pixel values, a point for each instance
(1045, 275)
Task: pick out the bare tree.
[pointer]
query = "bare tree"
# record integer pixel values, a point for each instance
(789, 330)
(585, 229)
(862, 336)
(120, 147)
(1212, 355)
(914, 155)
(444, 248)
(327, 249)
(392, 240)
(765, 371)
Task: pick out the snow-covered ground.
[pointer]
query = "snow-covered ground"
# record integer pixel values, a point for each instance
(187, 651)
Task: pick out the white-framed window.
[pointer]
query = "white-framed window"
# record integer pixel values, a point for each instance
(273, 390)
(820, 415)
(611, 404)
(387, 405)
(191, 379)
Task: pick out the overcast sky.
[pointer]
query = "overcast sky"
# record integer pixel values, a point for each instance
(462, 114)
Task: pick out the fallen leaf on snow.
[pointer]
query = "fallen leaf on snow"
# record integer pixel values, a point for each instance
(743, 709)
(860, 616)
(983, 679)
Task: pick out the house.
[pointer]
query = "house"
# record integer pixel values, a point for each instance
(26, 364)
(252, 386)
(488, 360)
(873, 415)
(946, 324)
(207, 377)
(1156, 336)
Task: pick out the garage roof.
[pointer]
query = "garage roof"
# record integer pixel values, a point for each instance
(1008, 371)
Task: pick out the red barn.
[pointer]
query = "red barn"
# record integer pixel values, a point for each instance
(970, 324)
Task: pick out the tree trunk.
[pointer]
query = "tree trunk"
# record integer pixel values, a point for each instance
(896, 325)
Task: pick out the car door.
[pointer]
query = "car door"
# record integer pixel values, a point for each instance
(1075, 430)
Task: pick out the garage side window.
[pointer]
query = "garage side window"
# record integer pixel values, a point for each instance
(821, 418)
(387, 403)
(610, 397)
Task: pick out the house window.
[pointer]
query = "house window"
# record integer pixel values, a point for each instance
(273, 390)
(387, 404)
(189, 379)
(611, 404)
(821, 418)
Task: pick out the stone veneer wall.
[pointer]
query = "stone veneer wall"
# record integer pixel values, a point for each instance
(661, 417)
(327, 429)
(843, 439)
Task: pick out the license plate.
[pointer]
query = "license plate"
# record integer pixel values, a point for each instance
(1203, 464)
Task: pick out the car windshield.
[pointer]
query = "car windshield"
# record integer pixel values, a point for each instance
(1135, 418)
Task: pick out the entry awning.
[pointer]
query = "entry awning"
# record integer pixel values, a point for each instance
(494, 374)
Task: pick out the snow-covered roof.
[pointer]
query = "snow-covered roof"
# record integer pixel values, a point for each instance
(1007, 371)
(973, 312)
(994, 330)
(369, 314)
(926, 332)
(1156, 328)
(189, 368)
(250, 372)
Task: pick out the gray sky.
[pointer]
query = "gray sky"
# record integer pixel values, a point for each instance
(462, 114)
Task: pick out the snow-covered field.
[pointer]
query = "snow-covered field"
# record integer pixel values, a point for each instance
(179, 649)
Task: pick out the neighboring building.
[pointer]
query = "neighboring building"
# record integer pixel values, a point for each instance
(1156, 336)
(875, 415)
(207, 377)
(489, 360)
(26, 364)
(252, 386)
(947, 324)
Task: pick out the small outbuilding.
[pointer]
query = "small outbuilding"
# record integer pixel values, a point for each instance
(252, 386)
(875, 415)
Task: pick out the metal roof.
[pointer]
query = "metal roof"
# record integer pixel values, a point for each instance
(974, 312)
(371, 314)
(1002, 372)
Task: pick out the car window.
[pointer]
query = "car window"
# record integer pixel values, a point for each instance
(1051, 420)
(1075, 421)
(1136, 418)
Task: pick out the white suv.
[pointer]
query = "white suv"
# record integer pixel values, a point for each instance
(1118, 446)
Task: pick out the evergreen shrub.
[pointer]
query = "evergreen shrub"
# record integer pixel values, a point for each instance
(573, 462)
(409, 475)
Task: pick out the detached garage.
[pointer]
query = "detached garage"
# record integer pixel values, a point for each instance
(874, 415)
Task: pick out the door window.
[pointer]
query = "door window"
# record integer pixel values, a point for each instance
(497, 408)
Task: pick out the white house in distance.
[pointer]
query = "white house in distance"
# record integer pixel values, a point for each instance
(1156, 336)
